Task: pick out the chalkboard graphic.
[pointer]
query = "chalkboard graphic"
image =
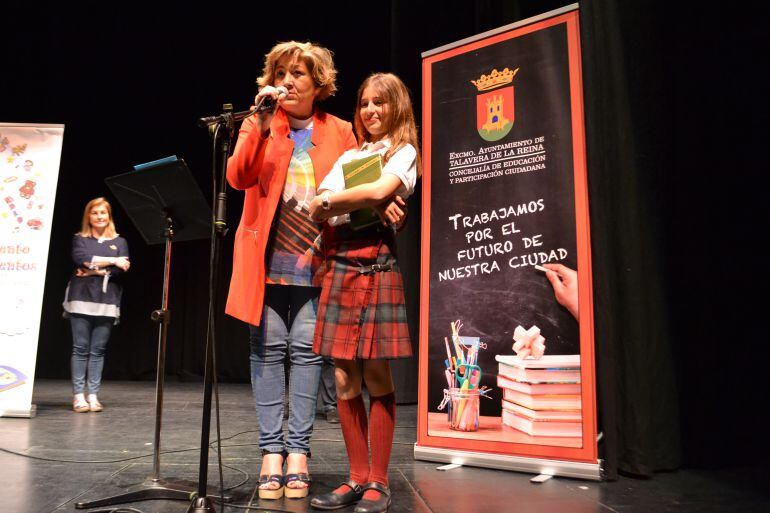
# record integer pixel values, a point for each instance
(538, 395)
(495, 109)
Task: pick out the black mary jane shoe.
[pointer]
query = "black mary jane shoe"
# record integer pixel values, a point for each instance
(381, 505)
(333, 500)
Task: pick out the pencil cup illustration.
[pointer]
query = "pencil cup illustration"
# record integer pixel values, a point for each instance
(464, 409)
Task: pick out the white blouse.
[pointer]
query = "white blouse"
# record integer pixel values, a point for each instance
(403, 164)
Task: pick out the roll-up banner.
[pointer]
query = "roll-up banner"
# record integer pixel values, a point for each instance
(29, 172)
(506, 320)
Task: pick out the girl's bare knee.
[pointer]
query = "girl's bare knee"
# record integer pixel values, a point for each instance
(347, 377)
(377, 377)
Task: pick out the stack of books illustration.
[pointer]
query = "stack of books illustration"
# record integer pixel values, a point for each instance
(541, 397)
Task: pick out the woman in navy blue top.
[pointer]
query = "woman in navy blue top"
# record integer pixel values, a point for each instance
(92, 299)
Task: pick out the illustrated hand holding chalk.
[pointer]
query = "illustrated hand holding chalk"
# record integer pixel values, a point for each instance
(565, 285)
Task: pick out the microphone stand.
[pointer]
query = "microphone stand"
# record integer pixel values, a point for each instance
(154, 486)
(228, 119)
(222, 128)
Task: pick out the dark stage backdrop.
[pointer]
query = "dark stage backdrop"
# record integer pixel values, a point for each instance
(676, 113)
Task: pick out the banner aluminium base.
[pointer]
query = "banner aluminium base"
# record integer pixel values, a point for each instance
(589, 471)
(20, 414)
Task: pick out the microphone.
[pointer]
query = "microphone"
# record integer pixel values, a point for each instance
(267, 103)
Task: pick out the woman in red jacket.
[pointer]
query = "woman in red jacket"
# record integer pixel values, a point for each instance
(280, 158)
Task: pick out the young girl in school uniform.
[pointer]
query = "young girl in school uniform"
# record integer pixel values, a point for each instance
(361, 314)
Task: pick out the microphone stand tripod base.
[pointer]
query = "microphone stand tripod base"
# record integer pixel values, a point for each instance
(152, 489)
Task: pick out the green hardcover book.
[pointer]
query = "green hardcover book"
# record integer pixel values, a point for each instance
(357, 172)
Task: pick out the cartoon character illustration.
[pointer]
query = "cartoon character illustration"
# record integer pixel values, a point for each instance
(12, 208)
(3, 143)
(18, 150)
(27, 190)
(35, 224)
(28, 165)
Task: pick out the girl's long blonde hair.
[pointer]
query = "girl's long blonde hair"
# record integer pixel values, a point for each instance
(399, 124)
(85, 226)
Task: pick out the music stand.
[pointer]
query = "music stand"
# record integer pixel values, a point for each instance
(165, 203)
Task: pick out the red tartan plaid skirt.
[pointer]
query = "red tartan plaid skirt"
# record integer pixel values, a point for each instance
(361, 315)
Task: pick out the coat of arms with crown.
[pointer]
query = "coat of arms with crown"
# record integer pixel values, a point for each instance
(494, 104)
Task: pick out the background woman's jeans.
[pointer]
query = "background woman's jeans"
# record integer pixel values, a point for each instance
(288, 324)
(89, 340)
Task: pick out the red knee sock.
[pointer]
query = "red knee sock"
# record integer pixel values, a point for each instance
(382, 420)
(355, 431)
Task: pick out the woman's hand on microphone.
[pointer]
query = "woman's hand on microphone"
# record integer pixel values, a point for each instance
(265, 117)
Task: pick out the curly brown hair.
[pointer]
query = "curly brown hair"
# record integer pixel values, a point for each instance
(317, 59)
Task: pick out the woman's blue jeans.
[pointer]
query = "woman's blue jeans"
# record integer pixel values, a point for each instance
(288, 324)
(89, 341)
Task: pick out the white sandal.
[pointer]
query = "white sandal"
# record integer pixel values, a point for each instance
(79, 404)
(94, 404)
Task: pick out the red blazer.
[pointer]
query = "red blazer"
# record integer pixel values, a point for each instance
(259, 167)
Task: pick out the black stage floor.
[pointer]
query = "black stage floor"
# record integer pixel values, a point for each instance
(125, 430)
